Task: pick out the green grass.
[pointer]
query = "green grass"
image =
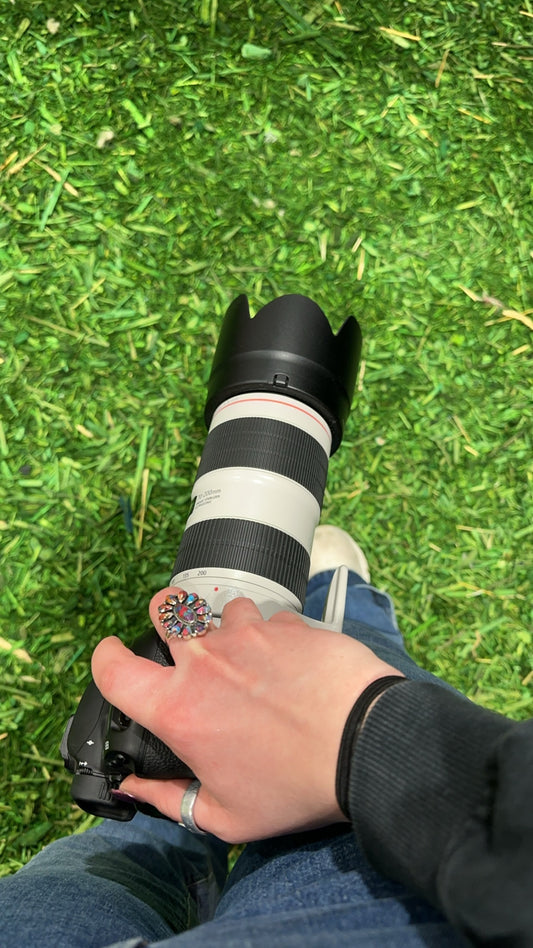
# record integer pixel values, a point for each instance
(374, 156)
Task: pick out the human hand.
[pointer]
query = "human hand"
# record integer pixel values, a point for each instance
(256, 708)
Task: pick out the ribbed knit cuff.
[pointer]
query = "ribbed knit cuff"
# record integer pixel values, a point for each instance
(418, 772)
(351, 731)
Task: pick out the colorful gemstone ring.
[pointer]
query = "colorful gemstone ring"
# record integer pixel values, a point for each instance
(184, 615)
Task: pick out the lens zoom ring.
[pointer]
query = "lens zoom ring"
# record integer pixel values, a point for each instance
(267, 445)
(246, 546)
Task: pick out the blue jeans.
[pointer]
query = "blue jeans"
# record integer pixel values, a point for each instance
(150, 882)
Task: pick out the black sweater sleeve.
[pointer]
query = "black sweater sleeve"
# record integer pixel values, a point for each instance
(441, 799)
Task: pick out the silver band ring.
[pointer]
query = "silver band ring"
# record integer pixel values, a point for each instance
(184, 615)
(187, 806)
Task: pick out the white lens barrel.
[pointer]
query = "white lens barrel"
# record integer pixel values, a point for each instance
(257, 500)
(245, 493)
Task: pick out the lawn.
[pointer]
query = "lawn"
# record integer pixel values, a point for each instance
(159, 158)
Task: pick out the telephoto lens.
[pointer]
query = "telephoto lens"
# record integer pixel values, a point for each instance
(278, 397)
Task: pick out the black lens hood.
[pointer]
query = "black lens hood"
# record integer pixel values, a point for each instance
(290, 348)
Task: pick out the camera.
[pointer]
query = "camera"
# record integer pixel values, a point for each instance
(278, 397)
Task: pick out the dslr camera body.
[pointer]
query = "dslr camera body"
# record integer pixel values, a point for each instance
(278, 396)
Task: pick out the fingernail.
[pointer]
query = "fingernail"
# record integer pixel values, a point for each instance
(122, 796)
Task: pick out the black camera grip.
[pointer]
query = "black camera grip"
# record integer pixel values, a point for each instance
(151, 646)
(157, 762)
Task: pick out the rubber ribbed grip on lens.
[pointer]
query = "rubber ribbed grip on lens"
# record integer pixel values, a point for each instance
(267, 445)
(246, 546)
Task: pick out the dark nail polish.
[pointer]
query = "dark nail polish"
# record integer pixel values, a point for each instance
(122, 796)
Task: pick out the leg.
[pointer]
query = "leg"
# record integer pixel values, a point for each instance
(314, 890)
(147, 878)
(370, 618)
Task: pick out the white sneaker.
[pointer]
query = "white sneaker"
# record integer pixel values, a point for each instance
(334, 547)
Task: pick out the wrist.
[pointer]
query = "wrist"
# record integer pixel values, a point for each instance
(352, 729)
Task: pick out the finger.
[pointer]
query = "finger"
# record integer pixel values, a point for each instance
(239, 612)
(287, 616)
(134, 684)
(165, 795)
